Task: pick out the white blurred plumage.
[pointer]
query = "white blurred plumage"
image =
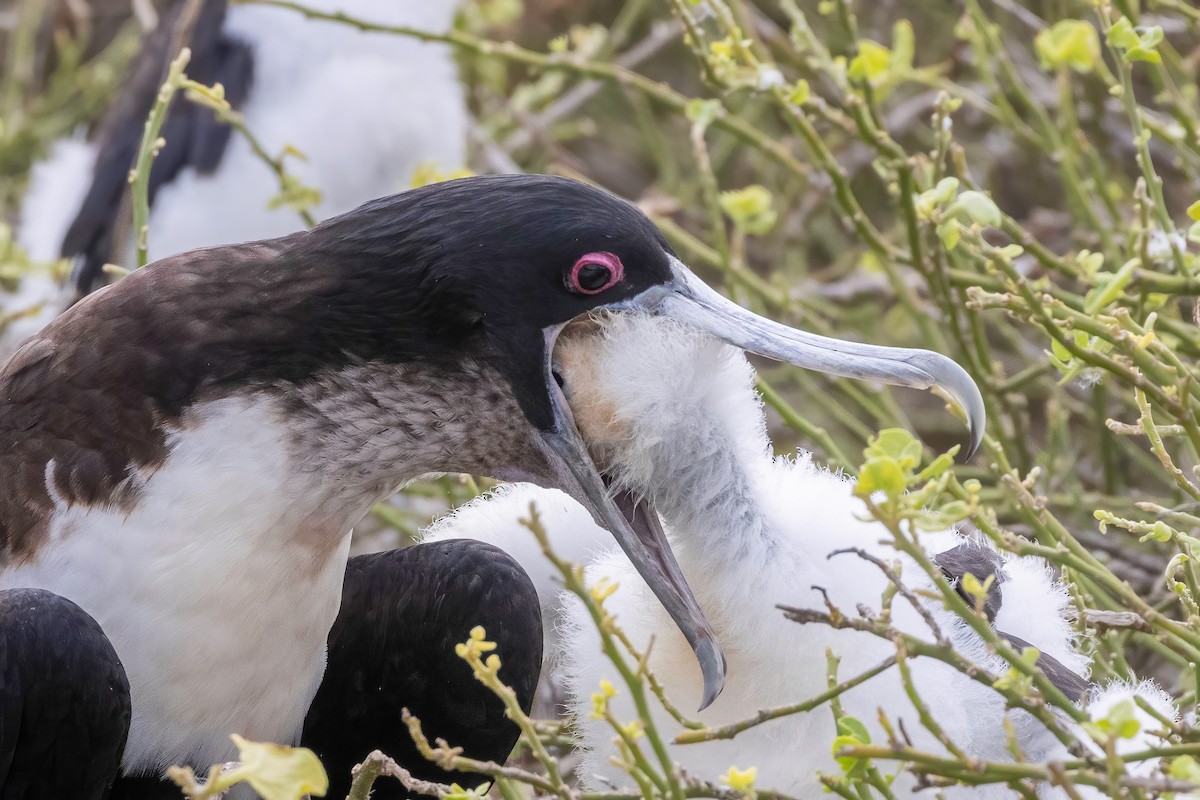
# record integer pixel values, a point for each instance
(365, 109)
(493, 519)
(56, 189)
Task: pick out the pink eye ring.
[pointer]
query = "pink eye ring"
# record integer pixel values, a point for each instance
(595, 272)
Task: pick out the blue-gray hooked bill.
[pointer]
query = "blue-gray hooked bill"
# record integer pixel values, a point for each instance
(636, 527)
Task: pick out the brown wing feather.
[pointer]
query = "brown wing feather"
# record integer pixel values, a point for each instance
(96, 391)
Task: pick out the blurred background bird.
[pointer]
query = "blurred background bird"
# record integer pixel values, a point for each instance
(351, 114)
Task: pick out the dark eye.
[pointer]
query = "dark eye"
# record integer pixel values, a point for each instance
(593, 277)
(595, 272)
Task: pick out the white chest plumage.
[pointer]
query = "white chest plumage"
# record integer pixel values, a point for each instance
(217, 590)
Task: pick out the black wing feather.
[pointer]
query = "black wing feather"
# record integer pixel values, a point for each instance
(194, 137)
(64, 700)
(983, 562)
(392, 647)
(1073, 686)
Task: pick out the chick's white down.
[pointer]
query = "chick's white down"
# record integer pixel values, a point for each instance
(673, 416)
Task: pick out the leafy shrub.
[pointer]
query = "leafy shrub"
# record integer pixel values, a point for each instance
(1016, 185)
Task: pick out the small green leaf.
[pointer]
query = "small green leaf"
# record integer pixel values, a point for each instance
(1109, 287)
(881, 475)
(1138, 44)
(871, 63)
(851, 733)
(1069, 43)
(427, 173)
(896, 443)
(291, 151)
(850, 765)
(979, 208)
(212, 97)
(1176, 563)
(849, 726)
(931, 199)
(1150, 36)
(800, 93)
(870, 263)
(750, 209)
(949, 233)
(1143, 54)
(457, 792)
(483, 14)
(1121, 35)
(944, 517)
(1161, 532)
(1185, 768)
(275, 771)
(1193, 212)
(1061, 355)
(702, 112)
(740, 780)
(977, 590)
(294, 194)
(904, 45)
(1014, 678)
(1121, 720)
(938, 466)
(945, 190)
(1089, 263)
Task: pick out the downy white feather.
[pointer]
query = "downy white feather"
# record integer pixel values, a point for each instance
(673, 415)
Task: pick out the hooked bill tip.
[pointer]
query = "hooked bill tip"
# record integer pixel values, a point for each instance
(712, 667)
(958, 384)
(972, 403)
(976, 440)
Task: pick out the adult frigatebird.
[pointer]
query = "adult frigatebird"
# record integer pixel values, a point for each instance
(185, 452)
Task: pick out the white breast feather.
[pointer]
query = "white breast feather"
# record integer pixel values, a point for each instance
(215, 601)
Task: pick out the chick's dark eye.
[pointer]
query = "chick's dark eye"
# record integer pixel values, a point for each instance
(595, 272)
